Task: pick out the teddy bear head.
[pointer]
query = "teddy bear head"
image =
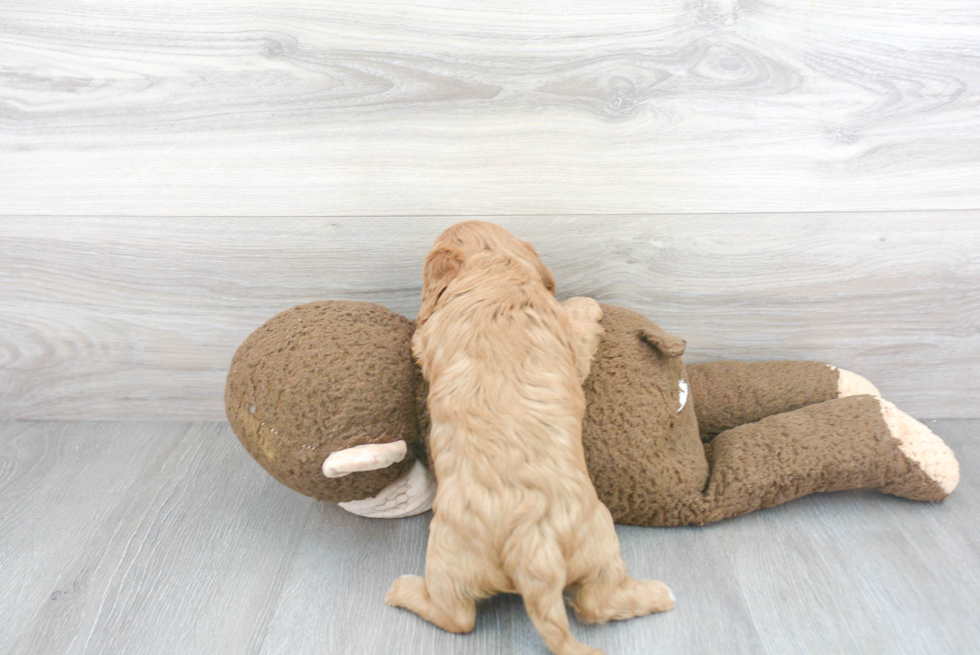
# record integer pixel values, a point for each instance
(325, 396)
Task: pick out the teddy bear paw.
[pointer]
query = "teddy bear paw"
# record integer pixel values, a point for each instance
(923, 448)
(852, 384)
(410, 494)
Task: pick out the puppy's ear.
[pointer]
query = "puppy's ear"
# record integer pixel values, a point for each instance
(441, 266)
(547, 277)
(543, 271)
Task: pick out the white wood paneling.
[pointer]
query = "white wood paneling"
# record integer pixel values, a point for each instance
(111, 318)
(333, 108)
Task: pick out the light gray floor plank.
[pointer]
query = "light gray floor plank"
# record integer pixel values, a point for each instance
(187, 556)
(162, 538)
(854, 572)
(402, 107)
(60, 485)
(137, 318)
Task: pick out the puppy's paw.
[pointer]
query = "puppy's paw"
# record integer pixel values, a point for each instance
(410, 592)
(583, 315)
(582, 310)
(643, 597)
(405, 590)
(631, 598)
(653, 596)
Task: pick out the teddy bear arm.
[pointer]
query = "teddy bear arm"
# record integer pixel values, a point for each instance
(729, 394)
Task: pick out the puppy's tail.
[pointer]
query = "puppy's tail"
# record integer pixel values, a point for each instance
(537, 568)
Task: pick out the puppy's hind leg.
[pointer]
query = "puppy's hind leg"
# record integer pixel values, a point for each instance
(606, 592)
(452, 614)
(537, 570)
(447, 595)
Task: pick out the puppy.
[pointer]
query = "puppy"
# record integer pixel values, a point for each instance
(515, 510)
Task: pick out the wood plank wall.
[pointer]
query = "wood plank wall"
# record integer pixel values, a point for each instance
(768, 178)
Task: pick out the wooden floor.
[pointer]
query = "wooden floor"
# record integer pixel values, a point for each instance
(167, 538)
(767, 179)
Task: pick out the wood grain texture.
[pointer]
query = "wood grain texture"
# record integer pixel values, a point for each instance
(116, 318)
(167, 538)
(139, 538)
(330, 108)
(58, 485)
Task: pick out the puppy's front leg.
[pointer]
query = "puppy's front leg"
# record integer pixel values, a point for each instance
(584, 315)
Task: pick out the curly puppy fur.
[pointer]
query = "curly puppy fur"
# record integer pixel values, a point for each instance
(515, 510)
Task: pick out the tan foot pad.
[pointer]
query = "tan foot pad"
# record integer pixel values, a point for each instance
(923, 448)
(852, 384)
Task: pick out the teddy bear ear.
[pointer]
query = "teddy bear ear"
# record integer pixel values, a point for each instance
(366, 457)
(668, 344)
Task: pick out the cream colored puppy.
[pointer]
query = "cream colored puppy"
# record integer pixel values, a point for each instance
(515, 510)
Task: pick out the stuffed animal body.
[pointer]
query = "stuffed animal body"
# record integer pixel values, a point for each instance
(326, 397)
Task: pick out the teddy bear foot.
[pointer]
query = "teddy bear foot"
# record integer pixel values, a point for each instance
(933, 471)
(852, 384)
(410, 494)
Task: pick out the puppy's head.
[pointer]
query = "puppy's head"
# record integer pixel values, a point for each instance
(461, 242)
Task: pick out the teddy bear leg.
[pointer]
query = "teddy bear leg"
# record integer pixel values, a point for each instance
(926, 453)
(851, 442)
(729, 394)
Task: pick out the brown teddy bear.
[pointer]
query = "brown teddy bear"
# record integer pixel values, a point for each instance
(327, 398)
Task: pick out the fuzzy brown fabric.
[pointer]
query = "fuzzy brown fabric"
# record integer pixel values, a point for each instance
(643, 455)
(729, 394)
(650, 467)
(329, 375)
(831, 446)
(321, 377)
